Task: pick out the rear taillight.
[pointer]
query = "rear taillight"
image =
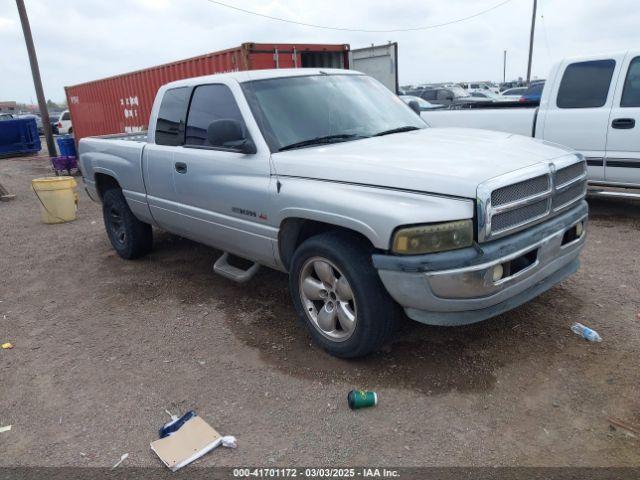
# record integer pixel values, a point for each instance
(59, 125)
(522, 99)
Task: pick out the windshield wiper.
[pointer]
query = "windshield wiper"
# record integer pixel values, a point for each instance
(407, 128)
(322, 140)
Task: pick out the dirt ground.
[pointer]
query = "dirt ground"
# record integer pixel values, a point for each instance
(103, 346)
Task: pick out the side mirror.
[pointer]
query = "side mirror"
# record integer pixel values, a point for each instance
(228, 133)
(415, 106)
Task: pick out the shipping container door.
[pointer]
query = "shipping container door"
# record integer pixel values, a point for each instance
(296, 56)
(379, 62)
(264, 57)
(322, 59)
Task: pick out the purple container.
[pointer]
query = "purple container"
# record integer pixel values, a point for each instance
(64, 163)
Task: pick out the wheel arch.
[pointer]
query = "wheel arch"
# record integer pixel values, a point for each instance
(295, 230)
(105, 182)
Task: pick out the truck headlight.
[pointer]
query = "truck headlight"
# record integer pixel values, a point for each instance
(437, 237)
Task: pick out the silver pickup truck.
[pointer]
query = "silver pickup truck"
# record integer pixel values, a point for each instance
(328, 176)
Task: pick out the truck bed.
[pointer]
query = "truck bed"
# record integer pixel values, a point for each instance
(130, 137)
(510, 120)
(117, 156)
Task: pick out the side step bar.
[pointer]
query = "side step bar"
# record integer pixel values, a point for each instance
(222, 267)
(592, 192)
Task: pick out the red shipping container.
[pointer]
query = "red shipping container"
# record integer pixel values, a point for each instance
(122, 103)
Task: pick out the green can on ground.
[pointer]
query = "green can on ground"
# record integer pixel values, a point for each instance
(362, 399)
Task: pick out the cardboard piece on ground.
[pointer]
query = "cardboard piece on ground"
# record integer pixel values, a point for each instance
(195, 438)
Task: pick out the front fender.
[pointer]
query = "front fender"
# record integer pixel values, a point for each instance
(375, 212)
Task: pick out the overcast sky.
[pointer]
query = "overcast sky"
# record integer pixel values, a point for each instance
(81, 40)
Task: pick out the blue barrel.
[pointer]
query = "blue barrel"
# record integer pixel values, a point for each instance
(67, 146)
(19, 136)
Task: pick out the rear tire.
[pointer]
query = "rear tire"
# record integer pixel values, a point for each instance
(130, 237)
(339, 296)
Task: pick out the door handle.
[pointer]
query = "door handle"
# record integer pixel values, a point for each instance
(623, 123)
(181, 167)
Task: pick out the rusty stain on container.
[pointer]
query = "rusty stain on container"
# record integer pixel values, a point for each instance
(122, 103)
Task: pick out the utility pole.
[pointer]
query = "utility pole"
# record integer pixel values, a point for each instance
(504, 67)
(37, 82)
(533, 27)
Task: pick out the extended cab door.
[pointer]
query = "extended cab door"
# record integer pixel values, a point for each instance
(157, 156)
(223, 195)
(622, 163)
(575, 110)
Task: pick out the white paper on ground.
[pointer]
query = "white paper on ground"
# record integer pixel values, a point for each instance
(194, 439)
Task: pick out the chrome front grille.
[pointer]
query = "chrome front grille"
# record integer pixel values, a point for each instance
(517, 191)
(513, 202)
(570, 173)
(575, 192)
(519, 216)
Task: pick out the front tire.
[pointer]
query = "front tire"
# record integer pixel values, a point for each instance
(339, 296)
(129, 237)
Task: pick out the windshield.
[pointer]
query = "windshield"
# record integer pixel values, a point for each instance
(298, 110)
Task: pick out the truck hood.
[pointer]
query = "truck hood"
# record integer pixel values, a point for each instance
(446, 161)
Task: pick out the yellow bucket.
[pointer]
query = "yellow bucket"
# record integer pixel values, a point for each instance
(58, 199)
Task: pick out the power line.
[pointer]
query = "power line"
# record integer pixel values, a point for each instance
(544, 29)
(325, 27)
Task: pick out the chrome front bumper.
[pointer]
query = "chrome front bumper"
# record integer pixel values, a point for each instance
(458, 287)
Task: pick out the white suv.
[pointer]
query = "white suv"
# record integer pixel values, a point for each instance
(64, 123)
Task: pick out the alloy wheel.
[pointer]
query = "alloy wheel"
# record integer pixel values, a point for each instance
(328, 299)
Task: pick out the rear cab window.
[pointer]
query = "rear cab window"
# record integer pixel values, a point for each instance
(586, 84)
(631, 90)
(171, 117)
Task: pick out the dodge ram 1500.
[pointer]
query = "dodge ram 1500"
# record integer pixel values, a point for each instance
(328, 176)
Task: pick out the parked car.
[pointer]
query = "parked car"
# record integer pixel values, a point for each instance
(480, 87)
(326, 175)
(6, 116)
(533, 93)
(490, 96)
(446, 96)
(64, 123)
(591, 104)
(514, 93)
(422, 103)
(513, 84)
(54, 118)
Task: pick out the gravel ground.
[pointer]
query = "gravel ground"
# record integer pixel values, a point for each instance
(103, 346)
